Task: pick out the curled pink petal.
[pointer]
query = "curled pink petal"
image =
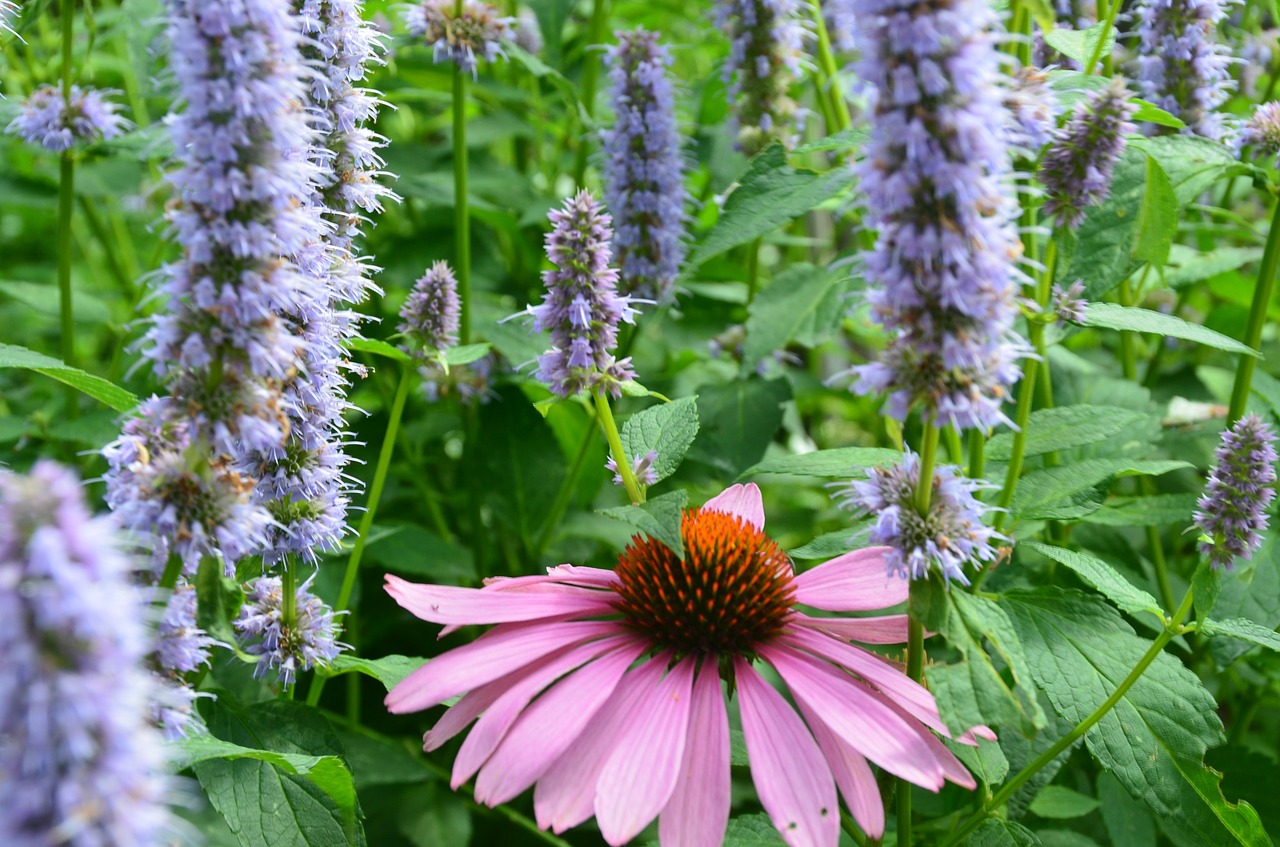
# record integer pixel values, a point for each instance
(885, 629)
(982, 731)
(744, 501)
(447, 604)
(698, 812)
(855, 582)
(573, 575)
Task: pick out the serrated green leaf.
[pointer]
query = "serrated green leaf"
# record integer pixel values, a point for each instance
(843, 141)
(658, 518)
(752, 831)
(1101, 576)
(738, 748)
(769, 193)
(1156, 510)
(1192, 163)
(1103, 252)
(377, 347)
(1243, 629)
(1158, 220)
(1251, 591)
(104, 391)
(1206, 584)
(1062, 428)
(1071, 491)
(779, 311)
(1155, 737)
(1186, 266)
(998, 832)
(1114, 316)
(389, 670)
(1080, 44)
(327, 772)
(668, 429)
(1128, 821)
(1062, 803)
(832, 544)
(466, 354)
(836, 463)
(986, 761)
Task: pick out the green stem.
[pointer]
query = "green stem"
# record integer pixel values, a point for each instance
(590, 74)
(851, 829)
(1257, 318)
(1106, 30)
(172, 570)
(954, 446)
(615, 447)
(753, 269)
(828, 73)
(1128, 350)
(288, 610)
(977, 453)
(915, 669)
(1162, 567)
(1172, 627)
(928, 456)
(1021, 416)
(66, 197)
(461, 214)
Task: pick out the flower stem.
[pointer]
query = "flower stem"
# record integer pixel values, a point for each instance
(615, 447)
(461, 214)
(928, 456)
(288, 610)
(915, 669)
(753, 269)
(1172, 627)
(1257, 319)
(1102, 40)
(66, 199)
(828, 73)
(590, 74)
(977, 453)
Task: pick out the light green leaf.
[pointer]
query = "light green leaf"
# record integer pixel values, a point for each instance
(768, 194)
(1114, 316)
(46, 299)
(780, 310)
(838, 462)
(986, 761)
(1158, 220)
(105, 392)
(1062, 803)
(667, 429)
(1151, 113)
(1071, 491)
(1080, 44)
(832, 544)
(376, 347)
(843, 141)
(1186, 266)
(1243, 629)
(998, 832)
(738, 749)
(752, 831)
(389, 670)
(1156, 510)
(1101, 576)
(466, 354)
(658, 518)
(1063, 428)
(411, 550)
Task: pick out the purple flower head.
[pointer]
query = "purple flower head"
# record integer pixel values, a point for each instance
(841, 25)
(477, 34)
(1069, 303)
(528, 32)
(173, 709)
(1232, 512)
(644, 174)
(767, 41)
(79, 762)
(1180, 67)
(310, 640)
(944, 270)
(951, 536)
(1077, 167)
(180, 645)
(641, 466)
(58, 123)
(582, 307)
(430, 314)
(1033, 108)
(1262, 131)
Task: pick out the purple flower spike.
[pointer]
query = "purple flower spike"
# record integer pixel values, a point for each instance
(1232, 512)
(950, 537)
(477, 34)
(582, 307)
(1033, 106)
(1180, 66)
(79, 762)
(430, 314)
(310, 642)
(644, 175)
(1262, 131)
(59, 123)
(641, 466)
(764, 62)
(1077, 167)
(181, 646)
(1069, 303)
(944, 270)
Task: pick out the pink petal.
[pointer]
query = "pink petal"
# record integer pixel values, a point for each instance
(499, 651)
(467, 709)
(886, 629)
(565, 794)
(856, 715)
(952, 769)
(741, 500)
(498, 718)
(855, 582)
(698, 812)
(791, 776)
(558, 575)
(548, 727)
(642, 770)
(853, 775)
(448, 604)
(982, 731)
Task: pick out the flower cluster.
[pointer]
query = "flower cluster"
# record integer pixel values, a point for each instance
(1232, 511)
(764, 60)
(1033, 107)
(287, 640)
(430, 313)
(582, 307)
(944, 269)
(1180, 66)
(1262, 131)
(952, 534)
(644, 178)
(1077, 167)
(528, 32)
(57, 122)
(1069, 303)
(180, 647)
(641, 467)
(79, 763)
(478, 33)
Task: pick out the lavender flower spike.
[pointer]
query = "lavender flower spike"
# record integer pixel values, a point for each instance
(1033, 109)
(478, 33)
(950, 537)
(1232, 512)
(764, 61)
(944, 270)
(1180, 66)
(644, 175)
(1262, 131)
(1077, 167)
(310, 641)
(582, 307)
(1069, 303)
(58, 123)
(430, 314)
(79, 762)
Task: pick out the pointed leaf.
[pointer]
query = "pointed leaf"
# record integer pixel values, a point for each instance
(668, 430)
(1101, 576)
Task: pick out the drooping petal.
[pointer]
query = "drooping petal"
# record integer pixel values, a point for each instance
(698, 812)
(472, 704)
(643, 768)
(981, 731)
(548, 727)
(744, 501)
(448, 604)
(884, 629)
(858, 581)
(952, 769)
(791, 776)
(499, 651)
(853, 775)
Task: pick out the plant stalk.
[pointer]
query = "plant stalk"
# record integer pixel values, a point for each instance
(461, 214)
(590, 76)
(828, 73)
(1112, 11)
(1257, 319)
(615, 447)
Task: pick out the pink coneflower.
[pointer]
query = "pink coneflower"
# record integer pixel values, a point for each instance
(602, 687)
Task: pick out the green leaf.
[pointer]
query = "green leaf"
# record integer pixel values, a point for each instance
(1071, 491)
(1206, 585)
(409, 549)
(1154, 739)
(738, 749)
(520, 466)
(1064, 427)
(466, 354)
(998, 832)
(844, 141)
(1158, 221)
(838, 462)
(440, 817)
(769, 193)
(1251, 591)
(327, 772)
(1243, 629)
(1192, 163)
(1062, 803)
(738, 422)
(752, 831)
(1186, 266)
(376, 347)
(46, 300)
(986, 761)
(1103, 577)
(1080, 44)
(832, 544)
(1127, 821)
(779, 312)
(104, 391)
(1104, 240)
(668, 429)
(658, 518)
(1151, 113)
(1114, 316)
(218, 600)
(1156, 510)
(389, 670)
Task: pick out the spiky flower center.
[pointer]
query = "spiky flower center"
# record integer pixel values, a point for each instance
(732, 592)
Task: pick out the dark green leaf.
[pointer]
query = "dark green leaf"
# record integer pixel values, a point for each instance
(412, 550)
(838, 462)
(1061, 803)
(1070, 491)
(1251, 591)
(218, 600)
(738, 422)
(1158, 221)
(1062, 428)
(389, 670)
(1104, 241)
(376, 347)
(986, 761)
(1156, 510)
(1128, 821)
(752, 831)
(327, 772)
(738, 748)
(1103, 577)
(658, 518)
(1245, 630)
(667, 429)
(1114, 316)
(777, 314)
(441, 818)
(997, 832)
(520, 465)
(1192, 163)
(105, 392)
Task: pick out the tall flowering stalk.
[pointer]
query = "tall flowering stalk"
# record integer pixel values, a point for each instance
(1181, 67)
(1232, 511)
(767, 39)
(1077, 167)
(644, 174)
(79, 762)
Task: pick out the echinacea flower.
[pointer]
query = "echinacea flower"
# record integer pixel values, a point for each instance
(630, 721)
(1232, 512)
